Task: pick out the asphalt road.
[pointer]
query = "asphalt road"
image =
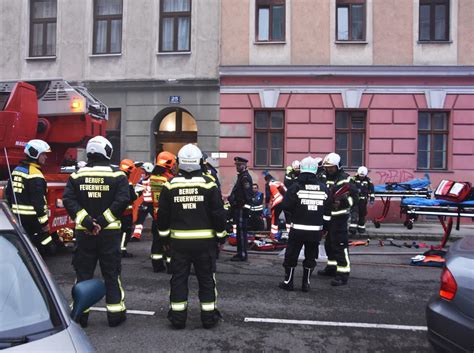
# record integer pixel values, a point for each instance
(382, 289)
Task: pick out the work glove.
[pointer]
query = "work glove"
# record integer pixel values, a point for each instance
(88, 223)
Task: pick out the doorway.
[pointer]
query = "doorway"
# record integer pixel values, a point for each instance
(174, 128)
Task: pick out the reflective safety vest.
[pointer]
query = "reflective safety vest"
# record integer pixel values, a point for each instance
(277, 190)
(147, 194)
(156, 185)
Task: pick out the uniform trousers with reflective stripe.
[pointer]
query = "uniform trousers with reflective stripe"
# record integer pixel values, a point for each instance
(104, 248)
(296, 240)
(359, 212)
(276, 212)
(241, 216)
(33, 229)
(203, 261)
(158, 253)
(126, 230)
(336, 244)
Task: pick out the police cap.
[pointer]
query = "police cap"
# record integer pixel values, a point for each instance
(240, 160)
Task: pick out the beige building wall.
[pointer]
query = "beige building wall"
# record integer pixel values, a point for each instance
(270, 53)
(350, 53)
(466, 32)
(235, 32)
(139, 58)
(310, 32)
(393, 32)
(436, 53)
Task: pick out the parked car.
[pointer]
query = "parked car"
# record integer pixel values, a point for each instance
(450, 314)
(34, 315)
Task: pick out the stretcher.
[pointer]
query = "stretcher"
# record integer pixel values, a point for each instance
(446, 211)
(386, 192)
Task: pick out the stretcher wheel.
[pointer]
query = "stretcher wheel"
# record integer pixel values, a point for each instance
(410, 225)
(377, 224)
(406, 223)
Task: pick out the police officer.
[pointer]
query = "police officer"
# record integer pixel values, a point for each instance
(96, 196)
(240, 199)
(26, 194)
(309, 202)
(365, 190)
(256, 210)
(343, 194)
(191, 215)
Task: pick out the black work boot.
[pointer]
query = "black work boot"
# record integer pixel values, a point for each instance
(83, 320)
(328, 271)
(306, 275)
(178, 318)
(116, 319)
(210, 319)
(287, 284)
(361, 229)
(340, 280)
(158, 265)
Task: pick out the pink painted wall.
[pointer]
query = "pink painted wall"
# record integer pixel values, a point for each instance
(391, 138)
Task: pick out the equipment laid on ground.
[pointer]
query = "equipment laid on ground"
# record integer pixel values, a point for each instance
(446, 211)
(64, 116)
(261, 241)
(388, 191)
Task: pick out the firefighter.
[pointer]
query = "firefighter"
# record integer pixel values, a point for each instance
(96, 197)
(143, 190)
(256, 210)
(209, 170)
(309, 202)
(128, 167)
(191, 216)
(163, 172)
(343, 194)
(26, 194)
(365, 190)
(292, 172)
(240, 199)
(277, 191)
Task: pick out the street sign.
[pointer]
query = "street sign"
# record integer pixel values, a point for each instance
(175, 99)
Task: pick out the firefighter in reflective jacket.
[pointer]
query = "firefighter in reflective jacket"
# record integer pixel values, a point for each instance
(309, 202)
(128, 167)
(164, 169)
(96, 196)
(192, 216)
(26, 194)
(365, 190)
(343, 194)
(292, 173)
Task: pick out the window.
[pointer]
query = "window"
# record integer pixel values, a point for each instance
(434, 20)
(43, 27)
(432, 140)
(270, 20)
(350, 138)
(107, 27)
(113, 133)
(175, 21)
(350, 20)
(269, 138)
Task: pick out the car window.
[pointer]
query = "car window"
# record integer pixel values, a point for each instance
(26, 307)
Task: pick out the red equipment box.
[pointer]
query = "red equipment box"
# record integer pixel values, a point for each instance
(455, 191)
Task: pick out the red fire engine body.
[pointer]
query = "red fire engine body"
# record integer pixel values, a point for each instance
(64, 116)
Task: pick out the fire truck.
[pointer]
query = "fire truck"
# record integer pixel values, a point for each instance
(64, 116)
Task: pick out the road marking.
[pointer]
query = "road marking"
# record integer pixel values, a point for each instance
(337, 324)
(136, 312)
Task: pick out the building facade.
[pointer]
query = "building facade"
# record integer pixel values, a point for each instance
(153, 63)
(386, 84)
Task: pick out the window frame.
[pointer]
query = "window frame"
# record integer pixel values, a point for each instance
(269, 130)
(44, 22)
(269, 4)
(431, 132)
(433, 4)
(109, 19)
(348, 4)
(175, 16)
(348, 131)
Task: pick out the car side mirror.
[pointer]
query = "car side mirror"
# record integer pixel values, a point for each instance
(85, 294)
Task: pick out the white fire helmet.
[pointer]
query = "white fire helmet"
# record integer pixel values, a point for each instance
(332, 159)
(319, 160)
(189, 158)
(309, 165)
(100, 145)
(295, 165)
(148, 167)
(34, 148)
(362, 171)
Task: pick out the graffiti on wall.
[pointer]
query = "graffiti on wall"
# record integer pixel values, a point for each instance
(394, 176)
